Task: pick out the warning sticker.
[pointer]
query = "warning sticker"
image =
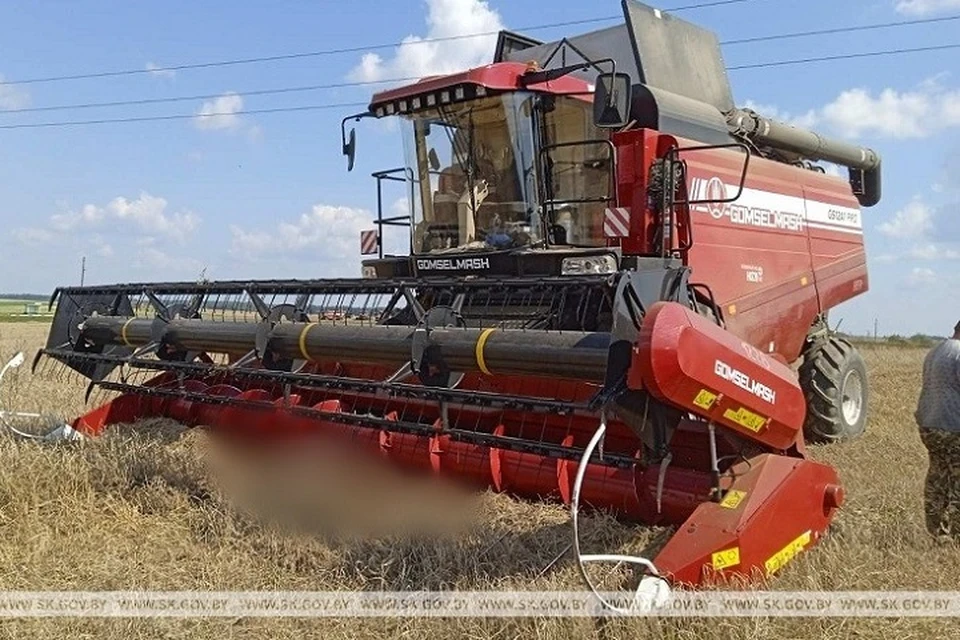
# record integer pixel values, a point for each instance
(788, 553)
(726, 558)
(746, 418)
(705, 399)
(733, 499)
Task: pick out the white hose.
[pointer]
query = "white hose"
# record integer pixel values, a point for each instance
(61, 432)
(653, 589)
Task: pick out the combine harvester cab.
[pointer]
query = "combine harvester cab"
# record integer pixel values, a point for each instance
(611, 270)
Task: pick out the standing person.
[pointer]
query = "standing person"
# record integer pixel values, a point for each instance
(938, 417)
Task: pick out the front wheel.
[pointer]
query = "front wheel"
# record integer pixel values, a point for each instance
(834, 379)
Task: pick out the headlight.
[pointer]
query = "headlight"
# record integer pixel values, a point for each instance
(588, 265)
(369, 272)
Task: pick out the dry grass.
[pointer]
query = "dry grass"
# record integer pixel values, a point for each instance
(151, 511)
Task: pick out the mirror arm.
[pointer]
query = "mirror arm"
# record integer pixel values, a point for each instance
(538, 77)
(349, 148)
(357, 117)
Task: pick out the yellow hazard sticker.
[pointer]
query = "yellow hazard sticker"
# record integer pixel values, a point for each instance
(746, 418)
(788, 553)
(705, 399)
(733, 499)
(726, 558)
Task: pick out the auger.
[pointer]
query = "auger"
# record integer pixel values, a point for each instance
(612, 269)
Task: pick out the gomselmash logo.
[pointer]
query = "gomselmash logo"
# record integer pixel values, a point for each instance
(453, 264)
(752, 208)
(744, 381)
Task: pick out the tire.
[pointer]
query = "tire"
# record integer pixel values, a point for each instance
(834, 380)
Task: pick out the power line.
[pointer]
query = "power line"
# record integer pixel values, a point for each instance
(183, 116)
(823, 32)
(209, 96)
(41, 125)
(842, 56)
(328, 52)
(339, 85)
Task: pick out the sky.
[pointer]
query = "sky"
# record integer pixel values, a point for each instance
(267, 195)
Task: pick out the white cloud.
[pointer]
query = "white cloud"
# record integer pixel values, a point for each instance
(804, 121)
(220, 114)
(915, 113)
(330, 231)
(146, 214)
(933, 251)
(401, 206)
(920, 276)
(12, 96)
(254, 133)
(33, 236)
(922, 234)
(101, 247)
(415, 58)
(898, 114)
(926, 7)
(159, 71)
(160, 261)
(912, 222)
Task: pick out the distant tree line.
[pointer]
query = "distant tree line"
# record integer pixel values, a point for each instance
(28, 297)
(917, 340)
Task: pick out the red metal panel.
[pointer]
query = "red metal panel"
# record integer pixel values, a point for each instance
(181, 409)
(407, 450)
(461, 460)
(687, 361)
(753, 252)
(776, 508)
(836, 240)
(787, 248)
(209, 415)
(502, 76)
(523, 474)
(127, 408)
(635, 151)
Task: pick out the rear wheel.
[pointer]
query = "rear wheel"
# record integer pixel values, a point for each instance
(834, 379)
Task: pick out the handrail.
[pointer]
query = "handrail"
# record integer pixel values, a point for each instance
(669, 195)
(395, 221)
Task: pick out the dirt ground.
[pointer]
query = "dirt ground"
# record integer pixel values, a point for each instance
(157, 511)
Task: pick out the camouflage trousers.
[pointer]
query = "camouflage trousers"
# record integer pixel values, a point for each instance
(942, 490)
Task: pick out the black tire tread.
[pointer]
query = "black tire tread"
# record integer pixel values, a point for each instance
(821, 376)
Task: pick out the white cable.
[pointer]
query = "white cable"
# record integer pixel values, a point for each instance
(653, 588)
(62, 432)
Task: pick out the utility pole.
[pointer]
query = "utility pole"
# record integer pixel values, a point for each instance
(875, 327)
(83, 269)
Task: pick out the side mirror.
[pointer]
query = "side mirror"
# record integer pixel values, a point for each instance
(612, 100)
(350, 149)
(433, 159)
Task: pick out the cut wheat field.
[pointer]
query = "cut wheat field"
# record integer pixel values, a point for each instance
(160, 510)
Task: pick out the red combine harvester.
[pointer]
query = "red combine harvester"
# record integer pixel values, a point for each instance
(612, 268)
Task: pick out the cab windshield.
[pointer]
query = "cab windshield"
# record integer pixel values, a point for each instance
(472, 167)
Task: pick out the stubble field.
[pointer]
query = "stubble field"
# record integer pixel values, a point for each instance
(162, 511)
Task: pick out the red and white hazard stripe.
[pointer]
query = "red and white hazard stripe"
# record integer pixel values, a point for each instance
(616, 222)
(369, 242)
